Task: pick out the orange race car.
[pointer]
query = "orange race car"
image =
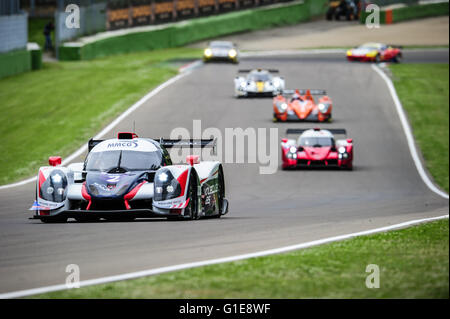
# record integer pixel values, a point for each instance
(302, 106)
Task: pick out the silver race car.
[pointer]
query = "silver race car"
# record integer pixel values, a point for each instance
(258, 82)
(130, 177)
(221, 51)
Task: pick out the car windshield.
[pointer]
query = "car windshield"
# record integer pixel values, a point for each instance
(221, 45)
(127, 160)
(316, 141)
(370, 46)
(257, 77)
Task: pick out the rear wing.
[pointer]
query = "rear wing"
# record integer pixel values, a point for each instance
(249, 70)
(303, 91)
(298, 131)
(171, 143)
(191, 143)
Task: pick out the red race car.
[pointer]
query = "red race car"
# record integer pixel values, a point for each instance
(375, 52)
(316, 148)
(302, 106)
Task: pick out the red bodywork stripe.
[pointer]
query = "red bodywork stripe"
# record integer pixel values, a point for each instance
(201, 181)
(134, 191)
(182, 180)
(41, 181)
(85, 195)
(131, 194)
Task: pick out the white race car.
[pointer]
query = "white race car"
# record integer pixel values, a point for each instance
(130, 177)
(224, 51)
(258, 82)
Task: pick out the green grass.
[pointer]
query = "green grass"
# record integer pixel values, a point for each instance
(57, 109)
(413, 263)
(423, 90)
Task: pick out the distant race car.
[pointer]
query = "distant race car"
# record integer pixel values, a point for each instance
(316, 148)
(301, 106)
(375, 52)
(221, 51)
(258, 82)
(130, 177)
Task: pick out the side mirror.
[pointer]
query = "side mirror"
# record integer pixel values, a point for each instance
(300, 149)
(333, 149)
(284, 140)
(349, 140)
(54, 160)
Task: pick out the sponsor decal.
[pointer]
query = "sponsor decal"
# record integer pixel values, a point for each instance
(130, 144)
(113, 178)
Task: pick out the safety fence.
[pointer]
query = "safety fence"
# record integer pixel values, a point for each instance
(129, 13)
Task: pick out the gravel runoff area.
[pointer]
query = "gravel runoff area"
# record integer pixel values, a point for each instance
(321, 33)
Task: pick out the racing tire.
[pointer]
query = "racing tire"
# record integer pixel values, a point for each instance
(398, 58)
(377, 59)
(192, 206)
(221, 191)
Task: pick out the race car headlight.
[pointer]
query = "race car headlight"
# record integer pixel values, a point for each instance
(292, 152)
(342, 150)
(208, 52)
(276, 82)
(349, 52)
(323, 108)
(166, 186)
(232, 53)
(56, 178)
(53, 189)
(163, 177)
(242, 84)
(283, 107)
(343, 156)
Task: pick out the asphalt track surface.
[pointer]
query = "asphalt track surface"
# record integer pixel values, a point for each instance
(266, 211)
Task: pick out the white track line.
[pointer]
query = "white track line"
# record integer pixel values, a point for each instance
(156, 271)
(134, 107)
(408, 132)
